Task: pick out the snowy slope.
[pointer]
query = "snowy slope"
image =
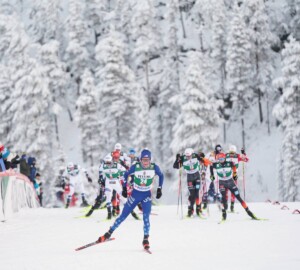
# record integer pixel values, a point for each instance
(46, 238)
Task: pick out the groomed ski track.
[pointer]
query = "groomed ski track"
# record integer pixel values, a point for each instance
(45, 239)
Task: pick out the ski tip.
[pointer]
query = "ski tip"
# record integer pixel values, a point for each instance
(222, 221)
(260, 219)
(147, 251)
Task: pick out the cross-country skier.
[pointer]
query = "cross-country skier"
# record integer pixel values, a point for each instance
(226, 172)
(213, 159)
(194, 167)
(116, 155)
(132, 155)
(123, 156)
(233, 156)
(143, 173)
(112, 172)
(75, 175)
(101, 195)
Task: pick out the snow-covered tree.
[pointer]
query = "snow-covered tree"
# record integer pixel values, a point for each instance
(77, 55)
(198, 123)
(261, 54)
(238, 66)
(44, 23)
(31, 127)
(117, 92)
(58, 79)
(291, 18)
(169, 85)
(87, 118)
(5, 101)
(14, 43)
(218, 55)
(147, 40)
(287, 111)
(95, 14)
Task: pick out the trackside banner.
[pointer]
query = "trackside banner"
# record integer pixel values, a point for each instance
(16, 192)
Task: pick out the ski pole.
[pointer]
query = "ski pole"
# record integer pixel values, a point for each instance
(179, 189)
(181, 193)
(244, 182)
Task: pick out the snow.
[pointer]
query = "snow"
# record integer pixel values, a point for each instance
(46, 238)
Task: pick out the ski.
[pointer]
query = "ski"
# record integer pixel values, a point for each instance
(93, 243)
(260, 219)
(153, 214)
(148, 251)
(201, 216)
(222, 221)
(82, 216)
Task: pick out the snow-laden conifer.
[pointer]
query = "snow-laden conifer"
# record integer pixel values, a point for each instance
(87, 118)
(117, 92)
(198, 123)
(287, 111)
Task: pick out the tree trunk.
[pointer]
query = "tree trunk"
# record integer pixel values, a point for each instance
(70, 114)
(259, 106)
(56, 128)
(268, 116)
(223, 76)
(243, 133)
(147, 82)
(182, 24)
(55, 122)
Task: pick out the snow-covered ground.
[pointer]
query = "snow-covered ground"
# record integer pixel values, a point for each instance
(46, 239)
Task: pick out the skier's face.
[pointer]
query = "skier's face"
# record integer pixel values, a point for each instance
(221, 160)
(189, 157)
(145, 162)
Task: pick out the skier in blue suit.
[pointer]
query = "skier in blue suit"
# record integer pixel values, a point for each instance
(143, 173)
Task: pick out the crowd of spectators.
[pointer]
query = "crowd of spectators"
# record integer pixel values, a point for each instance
(26, 165)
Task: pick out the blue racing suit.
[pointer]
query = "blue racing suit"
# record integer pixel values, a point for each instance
(142, 184)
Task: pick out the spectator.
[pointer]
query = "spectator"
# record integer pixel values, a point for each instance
(10, 160)
(38, 187)
(24, 167)
(2, 165)
(32, 169)
(15, 160)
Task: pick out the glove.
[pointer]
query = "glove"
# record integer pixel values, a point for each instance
(212, 177)
(89, 179)
(63, 184)
(100, 180)
(235, 177)
(158, 193)
(124, 192)
(243, 151)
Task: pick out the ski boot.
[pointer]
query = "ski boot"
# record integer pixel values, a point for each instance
(232, 207)
(106, 236)
(226, 206)
(146, 242)
(114, 211)
(198, 210)
(250, 214)
(118, 210)
(134, 214)
(204, 205)
(90, 212)
(109, 215)
(224, 215)
(190, 212)
(68, 203)
(84, 203)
